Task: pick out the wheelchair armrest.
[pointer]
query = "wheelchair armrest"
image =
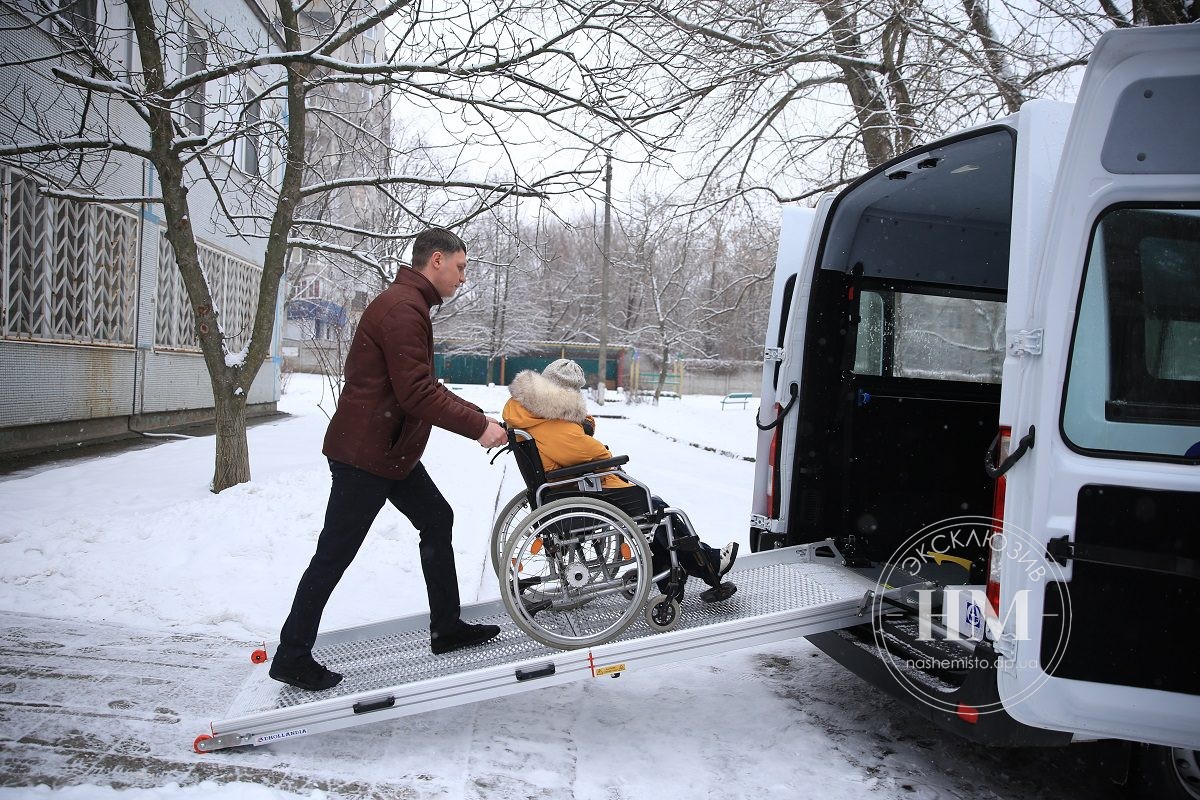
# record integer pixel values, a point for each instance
(584, 469)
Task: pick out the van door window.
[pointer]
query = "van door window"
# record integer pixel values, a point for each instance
(1133, 382)
(933, 337)
(868, 353)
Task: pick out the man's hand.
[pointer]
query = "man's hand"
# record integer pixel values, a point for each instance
(493, 436)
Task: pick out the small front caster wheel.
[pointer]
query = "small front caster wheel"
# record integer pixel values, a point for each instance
(204, 737)
(663, 613)
(259, 656)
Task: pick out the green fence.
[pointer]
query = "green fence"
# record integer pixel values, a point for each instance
(471, 368)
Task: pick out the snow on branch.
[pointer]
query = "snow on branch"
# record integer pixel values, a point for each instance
(511, 189)
(329, 247)
(116, 87)
(85, 197)
(74, 143)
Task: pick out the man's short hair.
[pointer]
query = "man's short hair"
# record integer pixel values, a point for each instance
(433, 240)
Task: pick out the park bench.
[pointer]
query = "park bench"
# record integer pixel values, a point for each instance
(736, 397)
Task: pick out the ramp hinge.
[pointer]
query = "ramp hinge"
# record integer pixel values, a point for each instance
(773, 354)
(764, 523)
(1026, 343)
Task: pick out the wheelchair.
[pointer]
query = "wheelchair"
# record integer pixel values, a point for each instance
(575, 566)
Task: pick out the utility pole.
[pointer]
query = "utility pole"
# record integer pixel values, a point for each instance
(603, 358)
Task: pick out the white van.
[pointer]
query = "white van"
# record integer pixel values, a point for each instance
(1000, 333)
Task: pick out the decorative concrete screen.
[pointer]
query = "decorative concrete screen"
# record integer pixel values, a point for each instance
(234, 286)
(70, 268)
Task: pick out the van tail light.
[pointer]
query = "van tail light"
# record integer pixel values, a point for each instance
(993, 562)
(772, 508)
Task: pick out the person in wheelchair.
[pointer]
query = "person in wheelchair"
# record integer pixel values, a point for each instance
(551, 408)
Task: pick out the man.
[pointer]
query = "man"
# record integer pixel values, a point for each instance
(374, 444)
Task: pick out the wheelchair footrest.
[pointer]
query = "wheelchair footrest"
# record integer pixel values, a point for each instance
(718, 593)
(687, 544)
(534, 606)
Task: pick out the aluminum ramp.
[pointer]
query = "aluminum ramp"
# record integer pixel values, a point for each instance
(390, 672)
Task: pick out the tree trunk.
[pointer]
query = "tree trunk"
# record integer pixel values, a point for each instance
(895, 39)
(874, 121)
(1164, 12)
(662, 374)
(233, 452)
(997, 65)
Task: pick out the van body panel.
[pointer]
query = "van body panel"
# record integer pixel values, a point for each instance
(1053, 491)
(886, 438)
(1042, 127)
(797, 259)
(796, 227)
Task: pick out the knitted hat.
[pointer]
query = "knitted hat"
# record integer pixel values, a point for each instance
(565, 373)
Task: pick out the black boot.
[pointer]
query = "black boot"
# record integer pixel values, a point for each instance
(304, 674)
(463, 634)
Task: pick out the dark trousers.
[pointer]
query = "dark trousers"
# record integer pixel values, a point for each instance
(703, 563)
(354, 501)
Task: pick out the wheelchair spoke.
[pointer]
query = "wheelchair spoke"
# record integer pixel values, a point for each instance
(565, 579)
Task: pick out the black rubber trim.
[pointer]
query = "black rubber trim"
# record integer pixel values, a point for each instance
(374, 705)
(539, 672)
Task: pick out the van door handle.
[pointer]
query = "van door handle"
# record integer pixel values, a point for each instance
(1023, 446)
(795, 388)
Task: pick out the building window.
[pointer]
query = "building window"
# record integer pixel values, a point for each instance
(253, 138)
(80, 15)
(195, 60)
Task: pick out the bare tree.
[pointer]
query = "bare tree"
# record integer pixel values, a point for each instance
(477, 74)
(499, 311)
(655, 253)
(795, 96)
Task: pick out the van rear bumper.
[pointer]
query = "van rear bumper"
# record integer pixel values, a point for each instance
(854, 648)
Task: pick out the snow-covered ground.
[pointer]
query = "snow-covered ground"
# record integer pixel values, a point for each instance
(135, 541)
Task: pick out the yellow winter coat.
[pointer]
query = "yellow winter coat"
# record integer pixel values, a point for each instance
(554, 417)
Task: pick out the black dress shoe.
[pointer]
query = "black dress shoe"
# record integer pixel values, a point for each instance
(307, 675)
(718, 593)
(463, 634)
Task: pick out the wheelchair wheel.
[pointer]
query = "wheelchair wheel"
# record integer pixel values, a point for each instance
(507, 521)
(564, 582)
(663, 613)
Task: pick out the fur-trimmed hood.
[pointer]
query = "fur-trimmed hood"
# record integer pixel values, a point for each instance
(554, 415)
(546, 399)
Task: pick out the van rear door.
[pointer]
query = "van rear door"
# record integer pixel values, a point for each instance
(1100, 579)
(793, 275)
